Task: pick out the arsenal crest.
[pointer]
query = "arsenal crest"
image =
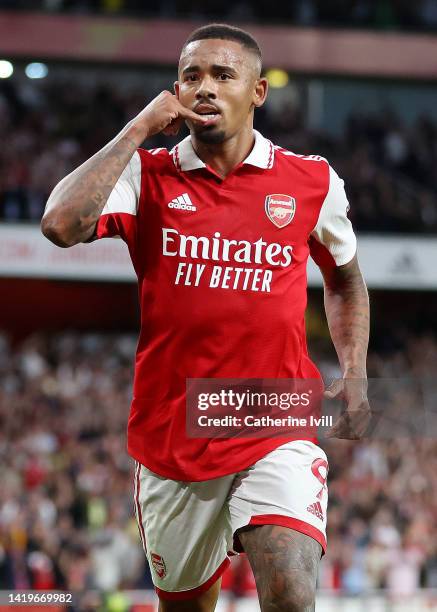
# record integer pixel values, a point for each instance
(280, 209)
(158, 565)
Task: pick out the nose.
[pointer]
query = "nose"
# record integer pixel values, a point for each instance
(206, 89)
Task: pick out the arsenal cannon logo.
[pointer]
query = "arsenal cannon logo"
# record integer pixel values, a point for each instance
(280, 209)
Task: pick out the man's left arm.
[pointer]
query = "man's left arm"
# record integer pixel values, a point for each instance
(347, 313)
(333, 247)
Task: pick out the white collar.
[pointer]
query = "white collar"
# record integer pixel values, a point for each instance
(185, 158)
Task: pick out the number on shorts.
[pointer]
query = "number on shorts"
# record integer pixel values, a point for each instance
(315, 468)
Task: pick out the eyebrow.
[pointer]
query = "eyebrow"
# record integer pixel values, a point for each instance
(215, 67)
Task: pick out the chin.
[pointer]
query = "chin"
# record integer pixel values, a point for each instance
(210, 135)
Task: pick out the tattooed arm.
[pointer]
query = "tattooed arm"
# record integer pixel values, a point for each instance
(347, 312)
(76, 203)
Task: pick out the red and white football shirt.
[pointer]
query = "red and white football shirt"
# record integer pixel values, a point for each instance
(221, 266)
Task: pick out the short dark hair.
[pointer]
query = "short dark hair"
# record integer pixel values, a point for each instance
(224, 31)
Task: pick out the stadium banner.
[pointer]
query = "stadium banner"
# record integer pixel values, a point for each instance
(387, 262)
(25, 252)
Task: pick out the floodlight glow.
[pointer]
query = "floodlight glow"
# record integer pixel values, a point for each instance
(277, 77)
(36, 70)
(6, 69)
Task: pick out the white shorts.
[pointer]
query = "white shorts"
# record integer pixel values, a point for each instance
(187, 528)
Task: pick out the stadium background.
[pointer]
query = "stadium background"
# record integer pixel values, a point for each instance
(353, 80)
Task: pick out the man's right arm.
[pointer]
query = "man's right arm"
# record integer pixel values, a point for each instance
(77, 201)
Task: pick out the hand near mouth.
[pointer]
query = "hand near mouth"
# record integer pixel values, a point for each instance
(166, 114)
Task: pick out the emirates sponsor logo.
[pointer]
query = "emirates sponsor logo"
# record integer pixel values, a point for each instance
(218, 248)
(266, 258)
(280, 209)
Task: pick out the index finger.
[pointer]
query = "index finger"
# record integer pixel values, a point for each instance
(187, 113)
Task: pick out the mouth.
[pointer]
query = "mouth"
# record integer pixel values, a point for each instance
(209, 112)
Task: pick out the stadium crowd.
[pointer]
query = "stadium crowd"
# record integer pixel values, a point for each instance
(379, 14)
(51, 128)
(66, 507)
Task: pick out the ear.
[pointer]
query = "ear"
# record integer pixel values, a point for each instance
(176, 89)
(260, 92)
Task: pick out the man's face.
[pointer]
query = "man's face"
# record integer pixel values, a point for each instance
(221, 78)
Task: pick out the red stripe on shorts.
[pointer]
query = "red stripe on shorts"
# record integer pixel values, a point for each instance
(137, 505)
(291, 523)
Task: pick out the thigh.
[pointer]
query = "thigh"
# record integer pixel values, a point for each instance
(285, 565)
(184, 528)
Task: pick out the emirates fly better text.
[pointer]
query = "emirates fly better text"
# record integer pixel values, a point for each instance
(217, 248)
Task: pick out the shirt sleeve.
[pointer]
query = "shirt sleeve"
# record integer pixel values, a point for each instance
(333, 240)
(118, 217)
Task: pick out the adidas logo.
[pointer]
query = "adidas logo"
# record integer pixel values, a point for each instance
(182, 202)
(316, 509)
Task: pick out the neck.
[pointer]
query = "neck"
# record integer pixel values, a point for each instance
(224, 157)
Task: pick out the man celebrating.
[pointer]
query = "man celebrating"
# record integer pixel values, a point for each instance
(219, 230)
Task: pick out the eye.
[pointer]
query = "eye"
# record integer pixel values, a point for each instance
(191, 78)
(224, 76)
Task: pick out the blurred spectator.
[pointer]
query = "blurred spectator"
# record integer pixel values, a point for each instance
(66, 499)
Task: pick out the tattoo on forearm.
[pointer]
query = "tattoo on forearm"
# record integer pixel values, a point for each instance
(347, 311)
(94, 186)
(82, 196)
